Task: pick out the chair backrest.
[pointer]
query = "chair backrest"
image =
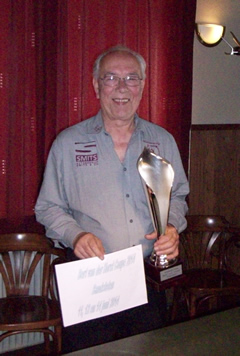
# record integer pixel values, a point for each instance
(203, 241)
(20, 254)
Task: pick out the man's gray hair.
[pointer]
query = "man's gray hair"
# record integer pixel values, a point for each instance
(119, 48)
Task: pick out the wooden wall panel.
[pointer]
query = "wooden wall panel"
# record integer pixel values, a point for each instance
(214, 171)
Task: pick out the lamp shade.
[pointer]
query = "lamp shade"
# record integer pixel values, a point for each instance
(209, 34)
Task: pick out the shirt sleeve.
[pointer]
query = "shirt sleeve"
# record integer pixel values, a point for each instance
(180, 189)
(52, 209)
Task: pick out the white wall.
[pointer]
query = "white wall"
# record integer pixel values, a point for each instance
(216, 76)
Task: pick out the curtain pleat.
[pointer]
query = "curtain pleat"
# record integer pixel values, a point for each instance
(47, 50)
(18, 134)
(4, 106)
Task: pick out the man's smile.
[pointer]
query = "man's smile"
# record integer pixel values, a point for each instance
(117, 100)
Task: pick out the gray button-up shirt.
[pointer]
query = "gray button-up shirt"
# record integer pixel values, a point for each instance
(87, 188)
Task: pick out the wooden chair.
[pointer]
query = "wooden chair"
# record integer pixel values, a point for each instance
(20, 311)
(208, 280)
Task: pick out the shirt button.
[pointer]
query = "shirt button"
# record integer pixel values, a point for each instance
(131, 220)
(127, 195)
(124, 169)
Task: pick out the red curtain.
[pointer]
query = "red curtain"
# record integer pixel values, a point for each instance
(47, 50)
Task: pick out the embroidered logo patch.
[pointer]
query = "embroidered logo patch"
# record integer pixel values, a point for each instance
(153, 147)
(86, 154)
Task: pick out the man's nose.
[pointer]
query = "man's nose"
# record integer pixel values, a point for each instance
(121, 83)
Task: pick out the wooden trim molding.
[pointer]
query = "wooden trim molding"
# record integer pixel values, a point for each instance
(215, 127)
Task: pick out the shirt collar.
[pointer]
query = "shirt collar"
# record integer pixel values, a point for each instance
(96, 125)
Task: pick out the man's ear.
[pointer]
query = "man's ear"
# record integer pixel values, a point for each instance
(96, 87)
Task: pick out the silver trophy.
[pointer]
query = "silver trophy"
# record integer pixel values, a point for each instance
(157, 174)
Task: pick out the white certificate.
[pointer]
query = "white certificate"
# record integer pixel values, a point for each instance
(92, 288)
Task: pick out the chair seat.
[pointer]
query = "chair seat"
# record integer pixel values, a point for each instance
(212, 280)
(27, 311)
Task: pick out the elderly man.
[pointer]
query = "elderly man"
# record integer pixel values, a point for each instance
(92, 198)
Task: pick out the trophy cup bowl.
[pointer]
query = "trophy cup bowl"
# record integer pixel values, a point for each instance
(158, 175)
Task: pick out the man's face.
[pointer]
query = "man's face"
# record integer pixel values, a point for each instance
(122, 101)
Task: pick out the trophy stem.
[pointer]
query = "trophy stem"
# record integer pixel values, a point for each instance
(158, 261)
(161, 261)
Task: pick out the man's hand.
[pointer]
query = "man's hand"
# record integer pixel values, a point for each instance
(88, 245)
(167, 244)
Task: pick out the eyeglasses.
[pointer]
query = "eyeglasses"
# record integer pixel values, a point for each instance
(129, 80)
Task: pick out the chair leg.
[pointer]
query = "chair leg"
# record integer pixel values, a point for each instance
(176, 297)
(213, 303)
(58, 339)
(47, 342)
(192, 305)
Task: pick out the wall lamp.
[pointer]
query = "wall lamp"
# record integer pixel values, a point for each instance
(209, 34)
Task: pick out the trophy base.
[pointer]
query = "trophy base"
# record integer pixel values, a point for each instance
(163, 278)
